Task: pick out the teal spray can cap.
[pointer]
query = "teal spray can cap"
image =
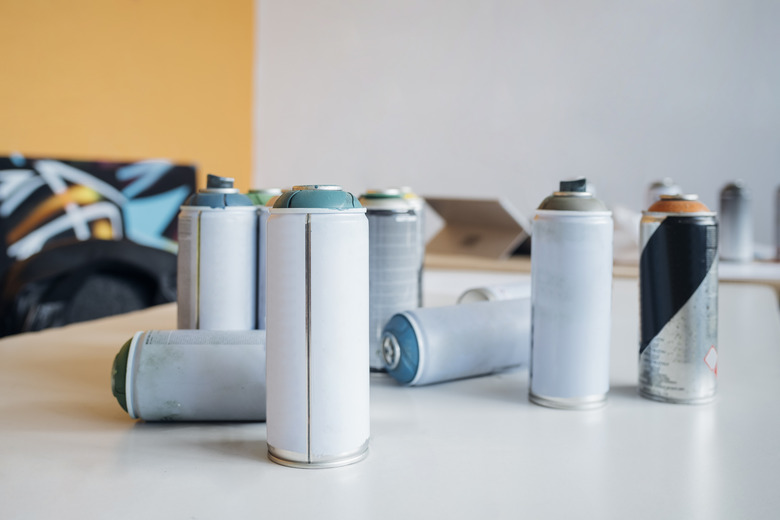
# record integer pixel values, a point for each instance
(318, 196)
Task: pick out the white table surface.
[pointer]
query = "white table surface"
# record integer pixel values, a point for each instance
(468, 449)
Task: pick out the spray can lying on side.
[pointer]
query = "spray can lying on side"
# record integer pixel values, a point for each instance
(736, 223)
(317, 359)
(489, 293)
(217, 262)
(571, 295)
(678, 301)
(192, 375)
(436, 344)
(394, 262)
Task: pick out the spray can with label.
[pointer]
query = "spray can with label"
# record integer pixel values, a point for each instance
(317, 328)
(394, 262)
(436, 344)
(217, 259)
(678, 300)
(571, 295)
(192, 375)
(736, 223)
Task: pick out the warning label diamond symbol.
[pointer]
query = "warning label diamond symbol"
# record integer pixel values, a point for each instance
(711, 359)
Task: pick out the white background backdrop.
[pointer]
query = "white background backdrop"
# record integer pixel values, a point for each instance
(505, 97)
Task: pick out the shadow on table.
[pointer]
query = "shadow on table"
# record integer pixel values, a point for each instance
(623, 391)
(72, 391)
(194, 440)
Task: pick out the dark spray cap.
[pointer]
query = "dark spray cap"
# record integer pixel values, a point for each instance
(735, 190)
(219, 193)
(215, 182)
(574, 186)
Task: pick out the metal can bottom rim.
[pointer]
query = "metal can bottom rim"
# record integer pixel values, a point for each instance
(675, 400)
(275, 455)
(591, 402)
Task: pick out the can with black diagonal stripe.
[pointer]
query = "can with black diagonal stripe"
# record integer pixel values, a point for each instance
(678, 295)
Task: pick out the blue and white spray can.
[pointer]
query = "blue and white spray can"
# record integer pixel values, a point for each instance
(217, 259)
(317, 328)
(436, 344)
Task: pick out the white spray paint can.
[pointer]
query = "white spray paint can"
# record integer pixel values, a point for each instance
(192, 375)
(571, 294)
(217, 259)
(394, 262)
(436, 344)
(317, 328)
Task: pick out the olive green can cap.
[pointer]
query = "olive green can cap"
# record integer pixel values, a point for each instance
(386, 193)
(573, 196)
(119, 375)
(317, 196)
(260, 197)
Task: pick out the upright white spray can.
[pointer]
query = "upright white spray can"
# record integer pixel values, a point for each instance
(571, 294)
(217, 260)
(317, 328)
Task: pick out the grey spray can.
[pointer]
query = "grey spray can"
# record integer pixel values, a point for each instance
(394, 262)
(192, 375)
(736, 223)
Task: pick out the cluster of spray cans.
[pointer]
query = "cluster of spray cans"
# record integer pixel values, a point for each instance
(295, 263)
(288, 298)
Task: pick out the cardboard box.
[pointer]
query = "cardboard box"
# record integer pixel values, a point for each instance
(489, 228)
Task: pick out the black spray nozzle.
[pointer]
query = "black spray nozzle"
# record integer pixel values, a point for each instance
(574, 185)
(215, 181)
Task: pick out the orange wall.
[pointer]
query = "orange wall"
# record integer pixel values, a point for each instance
(129, 79)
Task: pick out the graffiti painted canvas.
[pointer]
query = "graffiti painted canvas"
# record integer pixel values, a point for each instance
(44, 202)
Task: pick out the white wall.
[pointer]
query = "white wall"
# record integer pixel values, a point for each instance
(505, 97)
